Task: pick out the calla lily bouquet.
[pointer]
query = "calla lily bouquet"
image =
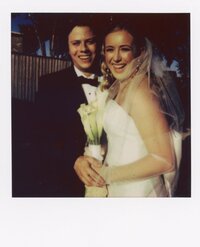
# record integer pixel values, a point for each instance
(92, 117)
(92, 120)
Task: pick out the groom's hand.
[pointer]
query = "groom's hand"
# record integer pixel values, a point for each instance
(85, 172)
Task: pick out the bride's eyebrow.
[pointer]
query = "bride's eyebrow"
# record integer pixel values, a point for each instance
(109, 46)
(124, 45)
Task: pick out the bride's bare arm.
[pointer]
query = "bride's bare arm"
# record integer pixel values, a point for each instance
(155, 133)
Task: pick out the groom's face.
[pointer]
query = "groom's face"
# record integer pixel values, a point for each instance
(82, 47)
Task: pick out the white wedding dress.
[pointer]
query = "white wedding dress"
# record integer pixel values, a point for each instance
(125, 145)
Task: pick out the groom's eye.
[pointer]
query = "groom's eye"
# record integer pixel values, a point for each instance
(91, 41)
(76, 43)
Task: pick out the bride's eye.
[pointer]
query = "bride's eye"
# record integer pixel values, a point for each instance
(109, 49)
(126, 48)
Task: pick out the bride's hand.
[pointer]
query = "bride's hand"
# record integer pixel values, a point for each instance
(102, 170)
(88, 175)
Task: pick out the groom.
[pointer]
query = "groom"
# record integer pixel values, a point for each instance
(61, 135)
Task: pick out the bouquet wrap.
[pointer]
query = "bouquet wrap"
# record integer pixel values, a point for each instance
(92, 191)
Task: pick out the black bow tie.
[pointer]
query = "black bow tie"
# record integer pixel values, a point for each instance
(92, 82)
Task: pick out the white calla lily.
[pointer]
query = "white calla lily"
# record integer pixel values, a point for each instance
(92, 117)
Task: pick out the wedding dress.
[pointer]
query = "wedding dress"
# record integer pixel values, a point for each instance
(125, 145)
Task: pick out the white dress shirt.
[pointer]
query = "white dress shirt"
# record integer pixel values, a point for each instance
(89, 91)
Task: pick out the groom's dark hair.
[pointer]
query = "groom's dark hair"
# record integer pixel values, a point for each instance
(81, 20)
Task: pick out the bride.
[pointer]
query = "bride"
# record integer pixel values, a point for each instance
(142, 122)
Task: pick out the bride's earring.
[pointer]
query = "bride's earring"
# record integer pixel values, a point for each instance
(107, 73)
(107, 76)
(138, 65)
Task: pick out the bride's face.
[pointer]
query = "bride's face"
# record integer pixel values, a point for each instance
(118, 52)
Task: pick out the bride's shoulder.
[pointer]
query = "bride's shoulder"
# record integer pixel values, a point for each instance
(141, 89)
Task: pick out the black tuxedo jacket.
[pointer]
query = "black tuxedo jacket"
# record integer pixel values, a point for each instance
(59, 133)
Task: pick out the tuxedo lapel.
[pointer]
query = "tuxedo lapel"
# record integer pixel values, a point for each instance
(72, 88)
